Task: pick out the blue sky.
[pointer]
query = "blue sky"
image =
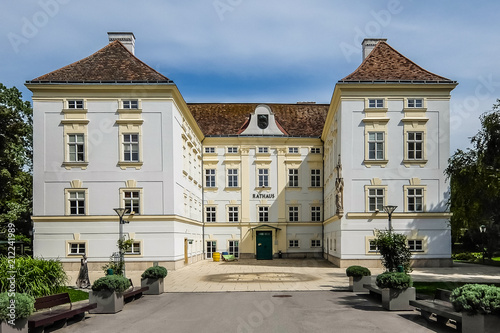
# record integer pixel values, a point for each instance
(264, 50)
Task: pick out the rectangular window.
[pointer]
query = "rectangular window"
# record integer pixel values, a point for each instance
(315, 150)
(316, 214)
(415, 103)
(263, 177)
(373, 246)
(263, 214)
(232, 177)
(315, 243)
(131, 147)
(77, 203)
(77, 248)
(315, 178)
(131, 104)
(131, 201)
(234, 248)
(415, 245)
(293, 243)
(232, 150)
(415, 199)
(210, 213)
(233, 214)
(210, 177)
(211, 248)
(376, 199)
(415, 144)
(263, 150)
(134, 249)
(293, 214)
(76, 148)
(75, 104)
(376, 145)
(293, 150)
(375, 103)
(210, 150)
(293, 177)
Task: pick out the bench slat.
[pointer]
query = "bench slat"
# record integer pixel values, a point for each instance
(51, 301)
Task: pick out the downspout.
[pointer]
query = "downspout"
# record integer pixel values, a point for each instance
(202, 202)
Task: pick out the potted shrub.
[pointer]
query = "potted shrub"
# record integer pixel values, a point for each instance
(358, 275)
(107, 292)
(397, 290)
(153, 278)
(15, 308)
(480, 307)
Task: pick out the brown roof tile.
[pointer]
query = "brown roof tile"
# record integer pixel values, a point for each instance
(229, 118)
(386, 64)
(111, 63)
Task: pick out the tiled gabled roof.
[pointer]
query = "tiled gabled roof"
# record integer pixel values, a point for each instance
(113, 63)
(224, 119)
(386, 64)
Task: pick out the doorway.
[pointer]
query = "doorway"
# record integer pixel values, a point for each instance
(264, 244)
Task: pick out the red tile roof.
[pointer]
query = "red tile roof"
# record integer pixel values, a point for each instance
(386, 64)
(223, 119)
(113, 63)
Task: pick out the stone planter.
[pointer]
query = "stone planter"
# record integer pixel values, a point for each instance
(107, 301)
(480, 323)
(356, 283)
(156, 286)
(21, 326)
(397, 300)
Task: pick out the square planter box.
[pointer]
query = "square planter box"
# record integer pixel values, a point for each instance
(21, 326)
(356, 283)
(156, 286)
(480, 323)
(397, 300)
(107, 301)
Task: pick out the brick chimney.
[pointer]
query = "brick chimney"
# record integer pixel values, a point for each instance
(127, 39)
(368, 45)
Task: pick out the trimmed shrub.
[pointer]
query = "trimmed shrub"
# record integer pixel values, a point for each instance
(357, 271)
(468, 256)
(34, 276)
(155, 272)
(476, 299)
(394, 250)
(393, 280)
(24, 306)
(116, 283)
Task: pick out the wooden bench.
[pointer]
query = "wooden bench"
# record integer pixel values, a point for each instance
(38, 320)
(440, 308)
(133, 292)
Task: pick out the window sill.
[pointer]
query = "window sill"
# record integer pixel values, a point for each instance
(70, 165)
(293, 188)
(262, 188)
(315, 188)
(232, 189)
(421, 163)
(124, 165)
(211, 189)
(370, 163)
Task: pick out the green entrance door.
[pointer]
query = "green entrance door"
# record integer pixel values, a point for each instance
(264, 244)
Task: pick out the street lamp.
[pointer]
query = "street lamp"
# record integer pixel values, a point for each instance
(482, 229)
(389, 210)
(121, 212)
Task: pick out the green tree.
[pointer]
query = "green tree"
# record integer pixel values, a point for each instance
(394, 250)
(16, 161)
(475, 183)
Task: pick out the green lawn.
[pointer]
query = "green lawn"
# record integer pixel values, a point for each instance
(428, 288)
(74, 294)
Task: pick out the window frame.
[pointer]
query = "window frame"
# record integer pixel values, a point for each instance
(376, 145)
(130, 104)
(262, 150)
(212, 246)
(316, 178)
(316, 214)
(293, 213)
(415, 142)
(76, 104)
(233, 210)
(83, 200)
(315, 243)
(78, 243)
(232, 150)
(212, 175)
(407, 195)
(233, 249)
(263, 213)
(133, 202)
(131, 144)
(315, 150)
(76, 144)
(293, 150)
(131, 252)
(209, 150)
(376, 103)
(210, 214)
(414, 247)
(294, 243)
(263, 177)
(293, 177)
(415, 101)
(233, 178)
(384, 188)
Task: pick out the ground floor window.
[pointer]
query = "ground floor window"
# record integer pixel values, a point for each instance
(415, 245)
(77, 248)
(211, 248)
(135, 248)
(233, 248)
(315, 243)
(373, 246)
(293, 243)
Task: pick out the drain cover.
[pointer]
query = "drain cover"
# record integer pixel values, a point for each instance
(282, 295)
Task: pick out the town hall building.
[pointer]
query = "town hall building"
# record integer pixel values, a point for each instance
(264, 181)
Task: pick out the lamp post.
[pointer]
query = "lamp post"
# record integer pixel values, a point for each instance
(389, 210)
(482, 229)
(121, 212)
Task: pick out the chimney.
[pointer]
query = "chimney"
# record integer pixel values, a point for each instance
(127, 39)
(368, 45)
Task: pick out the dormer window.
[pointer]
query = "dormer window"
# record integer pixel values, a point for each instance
(130, 104)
